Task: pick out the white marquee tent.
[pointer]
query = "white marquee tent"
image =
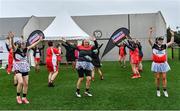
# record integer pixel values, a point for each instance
(64, 26)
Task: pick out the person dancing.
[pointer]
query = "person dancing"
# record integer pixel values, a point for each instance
(21, 67)
(52, 55)
(84, 64)
(122, 54)
(159, 65)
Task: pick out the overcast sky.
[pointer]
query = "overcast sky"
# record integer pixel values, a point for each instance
(17, 8)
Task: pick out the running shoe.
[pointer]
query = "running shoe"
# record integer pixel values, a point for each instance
(78, 95)
(25, 101)
(19, 100)
(165, 93)
(88, 94)
(158, 93)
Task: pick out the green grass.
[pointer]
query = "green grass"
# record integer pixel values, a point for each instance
(117, 91)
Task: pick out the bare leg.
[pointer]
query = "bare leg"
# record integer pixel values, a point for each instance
(25, 84)
(88, 82)
(164, 80)
(53, 77)
(20, 82)
(93, 74)
(157, 80)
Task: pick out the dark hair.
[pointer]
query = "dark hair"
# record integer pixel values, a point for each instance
(158, 38)
(83, 42)
(50, 43)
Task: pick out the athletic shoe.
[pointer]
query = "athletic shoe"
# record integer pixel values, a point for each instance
(101, 77)
(51, 85)
(25, 101)
(78, 95)
(138, 75)
(88, 94)
(140, 70)
(19, 100)
(134, 76)
(165, 93)
(158, 93)
(124, 66)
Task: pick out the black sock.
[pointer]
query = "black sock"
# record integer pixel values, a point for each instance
(78, 90)
(18, 94)
(87, 90)
(24, 95)
(158, 88)
(164, 89)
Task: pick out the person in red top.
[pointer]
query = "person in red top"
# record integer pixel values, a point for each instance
(10, 57)
(52, 63)
(160, 65)
(122, 54)
(134, 58)
(140, 67)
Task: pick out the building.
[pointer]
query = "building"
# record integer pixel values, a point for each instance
(103, 26)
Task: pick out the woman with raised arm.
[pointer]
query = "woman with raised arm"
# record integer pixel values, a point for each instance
(21, 67)
(84, 64)
(159, 65)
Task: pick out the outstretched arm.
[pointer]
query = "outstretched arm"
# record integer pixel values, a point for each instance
(172, 39)
(34, 44)
(11, 39)
(95, 43)
(150, 36)
(68, 44)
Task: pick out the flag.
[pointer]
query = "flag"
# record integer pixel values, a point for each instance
(35, 36)
(118, 36)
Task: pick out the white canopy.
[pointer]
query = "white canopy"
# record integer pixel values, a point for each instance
(64, 26)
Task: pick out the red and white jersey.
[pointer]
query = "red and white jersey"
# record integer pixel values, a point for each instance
(159, 53)
(51, 55)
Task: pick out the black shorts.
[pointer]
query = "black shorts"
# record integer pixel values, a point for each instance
(82, 72)
(23, 73)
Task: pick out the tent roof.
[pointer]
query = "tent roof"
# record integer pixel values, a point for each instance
(64, 26)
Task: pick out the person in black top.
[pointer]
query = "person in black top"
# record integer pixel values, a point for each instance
(97, 62)
(84, 64)
(70, 56)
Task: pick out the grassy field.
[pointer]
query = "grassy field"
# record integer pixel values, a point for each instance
(116, 91)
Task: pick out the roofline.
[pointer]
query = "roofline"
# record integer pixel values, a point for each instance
(162, 17)
(114, 14)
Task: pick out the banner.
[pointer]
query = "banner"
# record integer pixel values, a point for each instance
(35, 36)
(118, 36)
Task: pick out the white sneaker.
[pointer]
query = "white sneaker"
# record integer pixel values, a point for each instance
(88, 94)
(158, 93)
(165, 93)
(78, 95)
